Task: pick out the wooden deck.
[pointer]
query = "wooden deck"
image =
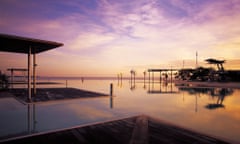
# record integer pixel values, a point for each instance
(51, 94)
(134, 130)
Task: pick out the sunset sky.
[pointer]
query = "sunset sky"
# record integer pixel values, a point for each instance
(106, 37)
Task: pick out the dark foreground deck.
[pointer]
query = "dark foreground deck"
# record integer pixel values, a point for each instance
(134, 130)
(50, 94)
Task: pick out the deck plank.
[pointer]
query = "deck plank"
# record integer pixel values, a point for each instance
(135, 130)
(140, 132)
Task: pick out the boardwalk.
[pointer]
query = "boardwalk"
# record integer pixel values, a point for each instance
(51, 94)
(134, 130)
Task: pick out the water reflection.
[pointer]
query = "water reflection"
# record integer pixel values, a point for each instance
(132, 84)
(31, 120)
(164, 87)
(119, 83)
(154, 87)
(167, 88)
(188, 107)
(111, 102)
(220, 93)
(18, 122)
(214, 93)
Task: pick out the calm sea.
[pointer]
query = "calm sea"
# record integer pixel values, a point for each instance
(213, 111)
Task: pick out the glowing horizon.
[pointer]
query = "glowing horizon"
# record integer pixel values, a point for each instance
(106, 37)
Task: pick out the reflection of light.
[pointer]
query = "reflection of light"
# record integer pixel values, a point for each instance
(196, 104)
(89, 111)
(31, 118)
(183, 96)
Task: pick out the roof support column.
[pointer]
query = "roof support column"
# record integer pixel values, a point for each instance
(149, 80)
(29, 74)
(11, 78)
(34, 73)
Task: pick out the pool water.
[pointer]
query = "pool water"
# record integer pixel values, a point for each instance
(212, 111)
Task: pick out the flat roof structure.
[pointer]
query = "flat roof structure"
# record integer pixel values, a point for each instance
(16, 69)
(30, 46)
(160, 70)
(214, 61)
(18, 44)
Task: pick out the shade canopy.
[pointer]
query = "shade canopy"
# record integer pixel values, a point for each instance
(215, 61)
(160, 70)
(17, 44)
(29, 46)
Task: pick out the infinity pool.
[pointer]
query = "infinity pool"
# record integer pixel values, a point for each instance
(212, 111)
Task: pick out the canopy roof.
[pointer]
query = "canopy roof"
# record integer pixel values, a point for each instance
(160, 70)
(17, 44)
(214, 61)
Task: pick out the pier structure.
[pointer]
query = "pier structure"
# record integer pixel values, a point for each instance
(132, 79)
(152, 80)
(160, 71)
(219, 63)
(120, 77)
(31, 47)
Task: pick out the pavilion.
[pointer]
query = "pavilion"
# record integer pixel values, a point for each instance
(29, 46)
(219, 63)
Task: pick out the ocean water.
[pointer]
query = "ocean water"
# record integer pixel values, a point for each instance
(212, 111)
